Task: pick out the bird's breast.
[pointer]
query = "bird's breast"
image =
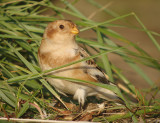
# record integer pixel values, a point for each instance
(50, 60)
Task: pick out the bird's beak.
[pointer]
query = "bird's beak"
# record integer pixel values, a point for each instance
(74, 30)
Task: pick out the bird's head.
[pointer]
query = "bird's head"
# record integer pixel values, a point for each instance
(61, 31)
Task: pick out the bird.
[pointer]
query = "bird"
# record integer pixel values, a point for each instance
(59, 47)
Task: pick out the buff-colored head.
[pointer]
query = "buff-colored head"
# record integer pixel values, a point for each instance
(60, 31)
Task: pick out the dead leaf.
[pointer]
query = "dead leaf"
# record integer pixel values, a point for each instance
(69, 117)
(86, 117)
(72, 106)
(66, 112)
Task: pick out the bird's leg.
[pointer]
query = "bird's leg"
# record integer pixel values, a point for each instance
(80, 107)
(80, 95)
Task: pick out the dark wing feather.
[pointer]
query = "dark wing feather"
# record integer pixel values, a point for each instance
(92, 69)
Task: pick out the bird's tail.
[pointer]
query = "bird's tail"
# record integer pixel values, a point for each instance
(110, 95)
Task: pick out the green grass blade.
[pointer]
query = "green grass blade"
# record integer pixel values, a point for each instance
(22, 58)
(6, 99)
(23, 109)
(105, 60)
(73, 8)
(148, 33)
(106, 22)
(142, 73)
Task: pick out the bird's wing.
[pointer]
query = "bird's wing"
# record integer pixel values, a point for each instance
(92, 69)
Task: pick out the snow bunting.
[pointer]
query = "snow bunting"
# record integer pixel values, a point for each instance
(58, 48)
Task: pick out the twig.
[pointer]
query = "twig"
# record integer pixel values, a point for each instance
(115, 113)
(44, 121)
(99, 10)
(2, 4)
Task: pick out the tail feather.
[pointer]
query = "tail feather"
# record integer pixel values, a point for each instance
(109, 95)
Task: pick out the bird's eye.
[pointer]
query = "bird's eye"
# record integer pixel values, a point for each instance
(61, 26)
